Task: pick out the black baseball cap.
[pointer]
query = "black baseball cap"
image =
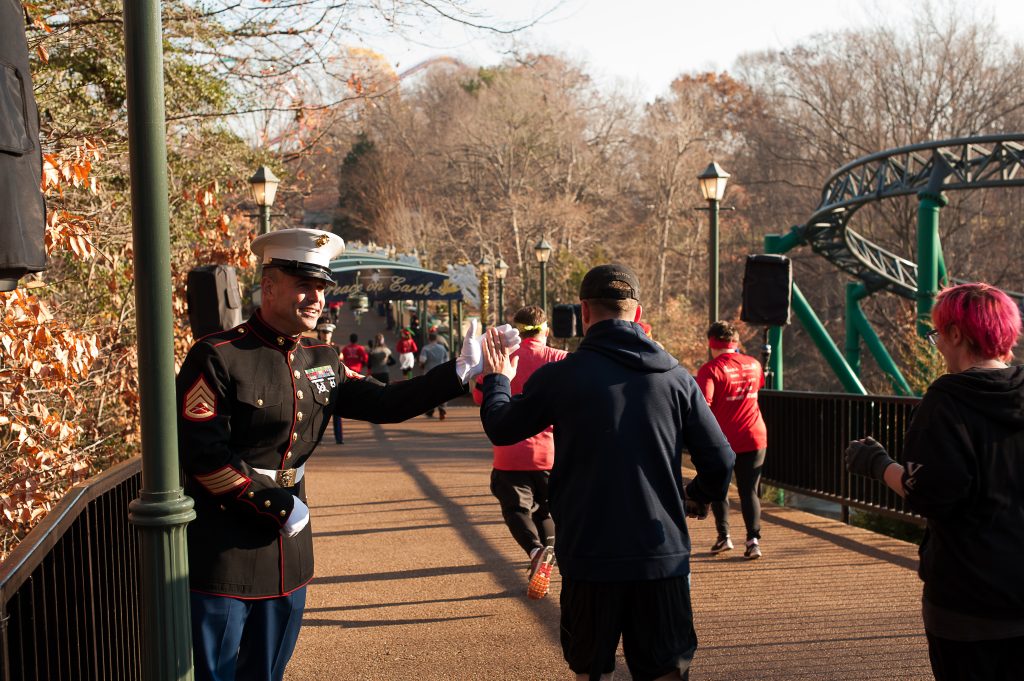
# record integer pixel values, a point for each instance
(597, 283)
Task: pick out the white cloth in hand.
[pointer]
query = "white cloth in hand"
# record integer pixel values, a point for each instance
(470, 361)
(297, 520)
(510, 337)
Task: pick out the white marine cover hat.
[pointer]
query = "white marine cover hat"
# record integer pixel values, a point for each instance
(299, 251)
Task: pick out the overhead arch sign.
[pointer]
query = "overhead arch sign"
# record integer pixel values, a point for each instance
(389, 280)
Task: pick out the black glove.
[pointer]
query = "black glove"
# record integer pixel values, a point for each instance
(695, 509)
(868, 457)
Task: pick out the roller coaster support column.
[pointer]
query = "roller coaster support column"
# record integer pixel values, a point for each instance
(929, 254)
(825, 344)
(854, 292)
(857, 327)
(162, 510)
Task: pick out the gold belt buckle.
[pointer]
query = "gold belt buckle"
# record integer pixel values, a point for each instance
(286, 478)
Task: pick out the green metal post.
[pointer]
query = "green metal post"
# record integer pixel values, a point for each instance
(825, 344)
(264, 219)
(713, 262)
(775, 361)
(928, 257)
(855, 316)
(162, 510)
(854, 291)
(779, 244)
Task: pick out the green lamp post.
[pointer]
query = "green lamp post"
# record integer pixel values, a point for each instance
(542, 251)
(500, 270)
(712, 188)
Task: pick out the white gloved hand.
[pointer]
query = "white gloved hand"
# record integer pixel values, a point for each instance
(470, 361)
(510, 337)
(297, 520)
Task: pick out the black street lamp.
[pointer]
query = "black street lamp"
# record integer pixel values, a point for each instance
(264, 190)
(543, 251)
(712, 188)
(500, 270)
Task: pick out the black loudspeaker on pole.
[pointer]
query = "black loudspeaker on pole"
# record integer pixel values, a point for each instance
(565, 321)
(767, 298)
(767, 290)
(214, 301)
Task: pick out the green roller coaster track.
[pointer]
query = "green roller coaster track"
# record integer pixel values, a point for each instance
(926, 170)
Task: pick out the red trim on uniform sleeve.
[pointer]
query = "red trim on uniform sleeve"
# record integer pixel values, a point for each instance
(243, 497)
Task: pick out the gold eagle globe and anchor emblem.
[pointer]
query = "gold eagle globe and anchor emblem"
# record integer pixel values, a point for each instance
(322, 240)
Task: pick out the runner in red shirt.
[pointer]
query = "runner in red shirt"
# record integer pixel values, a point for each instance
(730, 382)
(519, 479)
(354, 355)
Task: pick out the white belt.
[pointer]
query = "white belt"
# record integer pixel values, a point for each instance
(286, 478)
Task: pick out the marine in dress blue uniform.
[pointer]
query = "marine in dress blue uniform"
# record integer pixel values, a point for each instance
(253, 404)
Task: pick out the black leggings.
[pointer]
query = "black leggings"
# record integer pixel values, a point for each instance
(748, 477)
(523, 496)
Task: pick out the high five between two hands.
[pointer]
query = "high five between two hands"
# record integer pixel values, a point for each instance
(497, 351)
(471, 361)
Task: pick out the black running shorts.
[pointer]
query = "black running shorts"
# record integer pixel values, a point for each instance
(653, 618)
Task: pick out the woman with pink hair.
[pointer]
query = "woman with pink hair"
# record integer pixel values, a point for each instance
(964, 472)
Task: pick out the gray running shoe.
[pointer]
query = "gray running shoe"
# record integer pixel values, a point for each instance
(723, 544)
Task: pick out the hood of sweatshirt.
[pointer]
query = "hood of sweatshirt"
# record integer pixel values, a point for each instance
(626, 343)
(996, 393)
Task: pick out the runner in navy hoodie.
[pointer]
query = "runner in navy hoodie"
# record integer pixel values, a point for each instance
(623, 410)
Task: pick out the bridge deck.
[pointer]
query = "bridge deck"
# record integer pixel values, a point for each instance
(417, 577)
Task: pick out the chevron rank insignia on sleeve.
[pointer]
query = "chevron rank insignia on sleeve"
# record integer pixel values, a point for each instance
(200, 403)
(222, 480)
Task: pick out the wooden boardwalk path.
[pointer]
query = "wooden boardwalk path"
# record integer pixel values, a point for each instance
(418, 578)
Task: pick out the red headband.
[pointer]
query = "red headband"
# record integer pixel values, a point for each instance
(716, 344)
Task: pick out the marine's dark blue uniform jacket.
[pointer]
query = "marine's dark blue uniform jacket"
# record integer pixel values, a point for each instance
(249, 398)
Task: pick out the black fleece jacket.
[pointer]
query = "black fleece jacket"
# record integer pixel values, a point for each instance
(964, 456)
(623, 410)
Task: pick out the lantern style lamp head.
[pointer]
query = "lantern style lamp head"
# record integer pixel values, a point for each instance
(264, 186)
(712, 182)
(500, 268)
(542, 250)
(485, 263)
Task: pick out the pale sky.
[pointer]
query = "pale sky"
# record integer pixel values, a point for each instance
(644, 44)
